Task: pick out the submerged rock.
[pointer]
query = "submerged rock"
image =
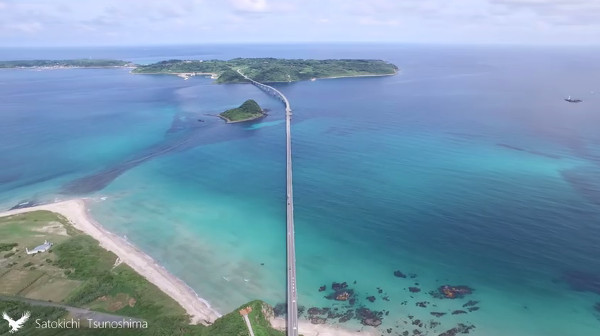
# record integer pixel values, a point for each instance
(454, 292)
(399, 274)
(414, 289)
(338, 286)
(322, 288)
(373, 322)
(317, 311)
(371, 298)
(470, 303)
(369, 317)
(460, 329)
(349, 314)
(280, 309)
(318, 320)
(25, 204)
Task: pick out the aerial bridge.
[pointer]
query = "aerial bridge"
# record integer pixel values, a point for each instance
(292, 296)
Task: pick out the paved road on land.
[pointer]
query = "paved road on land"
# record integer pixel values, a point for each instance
(245, 317)
(292, 297)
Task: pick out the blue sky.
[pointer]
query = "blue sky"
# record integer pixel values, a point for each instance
(147, 22)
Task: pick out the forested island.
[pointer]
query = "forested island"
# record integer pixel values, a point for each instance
(260, 69)
(74, 63)
(249, 110)
(272, 69)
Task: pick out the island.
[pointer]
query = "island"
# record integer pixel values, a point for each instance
(249, 110)
(269, 70)
(60, 64)
(264, 70)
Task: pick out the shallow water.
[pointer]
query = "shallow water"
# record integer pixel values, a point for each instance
(465, 169)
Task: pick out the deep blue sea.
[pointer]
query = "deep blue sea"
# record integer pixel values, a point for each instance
(466, 168)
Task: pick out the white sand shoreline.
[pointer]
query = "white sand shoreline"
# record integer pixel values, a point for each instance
(199, 309)
(76, 212)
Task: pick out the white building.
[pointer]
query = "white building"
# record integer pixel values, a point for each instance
(41, 248)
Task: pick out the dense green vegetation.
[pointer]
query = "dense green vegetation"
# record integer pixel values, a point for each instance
(249, 110)
(78, 272)
(7, 246)
(75, 63)
(273, 69)
(231, 324)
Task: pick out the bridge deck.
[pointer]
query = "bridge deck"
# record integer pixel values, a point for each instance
(292, 297)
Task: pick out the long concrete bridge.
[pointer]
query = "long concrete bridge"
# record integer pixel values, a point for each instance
(292, 297)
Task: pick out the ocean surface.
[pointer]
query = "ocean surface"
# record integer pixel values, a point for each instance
(466, 168)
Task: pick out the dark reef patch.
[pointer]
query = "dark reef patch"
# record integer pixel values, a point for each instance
(520, 149)
(460, 329)
(583, 281)
(399, 274)
(451, 292)
(585, 181)
(470, 303)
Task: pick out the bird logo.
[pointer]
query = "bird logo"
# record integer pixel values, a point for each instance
(18, 324)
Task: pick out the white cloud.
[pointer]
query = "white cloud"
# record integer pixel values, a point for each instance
(370, 21)
(25, 27)
(255, 6)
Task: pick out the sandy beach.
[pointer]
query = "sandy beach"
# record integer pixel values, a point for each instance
(198, 309)
(308, 329)
(75, 211)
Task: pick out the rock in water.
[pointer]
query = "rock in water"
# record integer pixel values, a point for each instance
(399, 274)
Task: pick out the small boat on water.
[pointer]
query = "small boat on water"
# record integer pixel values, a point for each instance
(573, 100)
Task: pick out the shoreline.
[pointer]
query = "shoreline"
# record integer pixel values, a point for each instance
(187, 75)
(199, 310)
(76, 212)
(229, 121)
(354, 76)
(306, 328)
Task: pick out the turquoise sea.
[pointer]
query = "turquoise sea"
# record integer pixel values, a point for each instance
(467, 168)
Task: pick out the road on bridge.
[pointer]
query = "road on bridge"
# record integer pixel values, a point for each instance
(292, 297)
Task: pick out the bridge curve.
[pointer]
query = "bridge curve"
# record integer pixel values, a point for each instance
(292, 296)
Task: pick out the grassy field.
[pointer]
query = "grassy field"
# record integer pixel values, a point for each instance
(78, 272)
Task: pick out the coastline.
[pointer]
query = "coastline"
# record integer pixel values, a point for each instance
(306, 328)
(200, 311)
(229, 121)
(354, 76)
(75, 211)
(187, 75)
(184, 75)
